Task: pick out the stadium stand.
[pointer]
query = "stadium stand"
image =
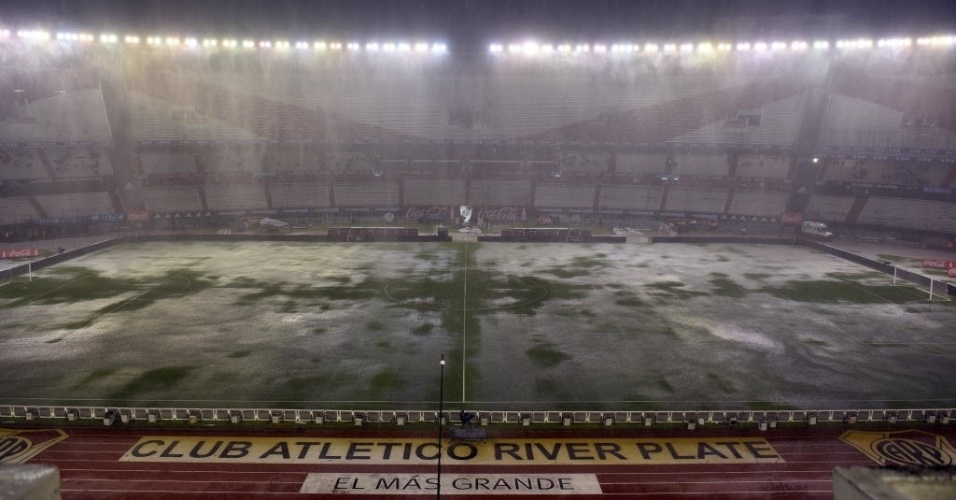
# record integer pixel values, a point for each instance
(235, 197)
(367, 194)
(573, 161)
(762, 167)
(16, 210)
(910, 214)
(47, 115)
(173, 199)
(434, 192)
(700, 164)
(829, 208)
(564, 196)
(499, 193)
(638, 198)
(76, 204)
(696, 200)
(856, 122)
(635, 163)
(885, 172)
(300, 195)
(168, 162)
(21, 164)
(78, 163)
(758, 203)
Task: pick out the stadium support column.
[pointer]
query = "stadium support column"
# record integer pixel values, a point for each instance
(597, 199)
(202, 197)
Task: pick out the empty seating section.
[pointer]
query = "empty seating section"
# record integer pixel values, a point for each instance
(758, 203)
(701, 164)
(172, 162)
(776, 123)
(499, 193)
(886, 172)
(79, 163)
(71, 115)
(16, 209)
(300, 195)
(696, 200)
(572, 161)
(635, 163)
(435, 192)
(21, 164)
(763, 167)
(352, 162)
(231, 159)
(366, 194)
(76, 204)
(829, 208)
(643, 198)
(236, 197)
(906, 213)
(172, 199)
(852, 122)
(156, 119)
(564, 196)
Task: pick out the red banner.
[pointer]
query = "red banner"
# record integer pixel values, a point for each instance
(791, 218)
(137, 216)
(952, 272)
(939, 264)
(18, 254)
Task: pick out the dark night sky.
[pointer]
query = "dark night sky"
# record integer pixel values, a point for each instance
(464, 22)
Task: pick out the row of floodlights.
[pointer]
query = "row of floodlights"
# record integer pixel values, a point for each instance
(533, 48)
(109, 38)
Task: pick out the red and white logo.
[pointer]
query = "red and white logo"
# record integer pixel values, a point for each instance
(18, 254)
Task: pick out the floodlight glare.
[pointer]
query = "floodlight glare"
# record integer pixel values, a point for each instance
(724, 47)
(352, 46)
(547, 48)
(404, 47)
(650, 47)
(687, 47)
(248, 44)
(439, 48)
(4, 33)
(319, 46)
(131, 39)
(388, 47)
(564, 48)
(821, 45)
(423, 47)
(172, 41)
(798, 45)
(494, 48)
(778, 46)
(301, 45)
(335, 45)
(743, 46)
(230, 43)
(282, 45)
(670, 47)
(760, 46)
(705, 47)
(265, 44)
(190, 42)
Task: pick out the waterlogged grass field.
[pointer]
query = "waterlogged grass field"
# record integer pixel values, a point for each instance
(521, 326)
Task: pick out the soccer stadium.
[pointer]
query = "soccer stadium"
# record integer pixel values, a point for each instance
(339, 233)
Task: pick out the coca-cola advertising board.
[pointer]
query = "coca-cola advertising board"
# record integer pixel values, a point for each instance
(18, 254)
(939, 264)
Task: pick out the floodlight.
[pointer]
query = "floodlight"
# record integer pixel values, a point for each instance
(743, 46)
(210, 42)
(439, 48)
(600, 48)
(62, 36)
(514, 47)
(760, 46)
(404, 47)
(190, 42)
(423, 47)
(335, 45)
(172, 41)
(529, 48)
(670, 47)
(108, 38)
(494, 48)
(583, 48)
(319, 46)
(265, 44)
(388, 47)
(778, 46)
(230, 43)
(282, 44)
(132, 39)
(248, 44)
(815, 160)
(564, 48)
(301, 45)
(353, 46)
(34, 35)
(687, 47)
(798, 45)
(922, 41)
(724, 47)
(4, 33)
(650, 47)
(547, 48)
(154, 40)
(821, 45)
(705, 47)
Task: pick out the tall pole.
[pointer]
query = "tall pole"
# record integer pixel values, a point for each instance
(441, 411)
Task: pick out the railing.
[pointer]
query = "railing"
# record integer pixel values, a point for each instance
(108, 414)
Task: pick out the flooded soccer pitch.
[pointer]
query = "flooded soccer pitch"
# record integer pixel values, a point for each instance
(521, 326)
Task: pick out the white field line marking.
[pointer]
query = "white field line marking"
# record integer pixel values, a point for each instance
(464, 325)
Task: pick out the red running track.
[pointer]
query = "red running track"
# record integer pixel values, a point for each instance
(90, 465)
